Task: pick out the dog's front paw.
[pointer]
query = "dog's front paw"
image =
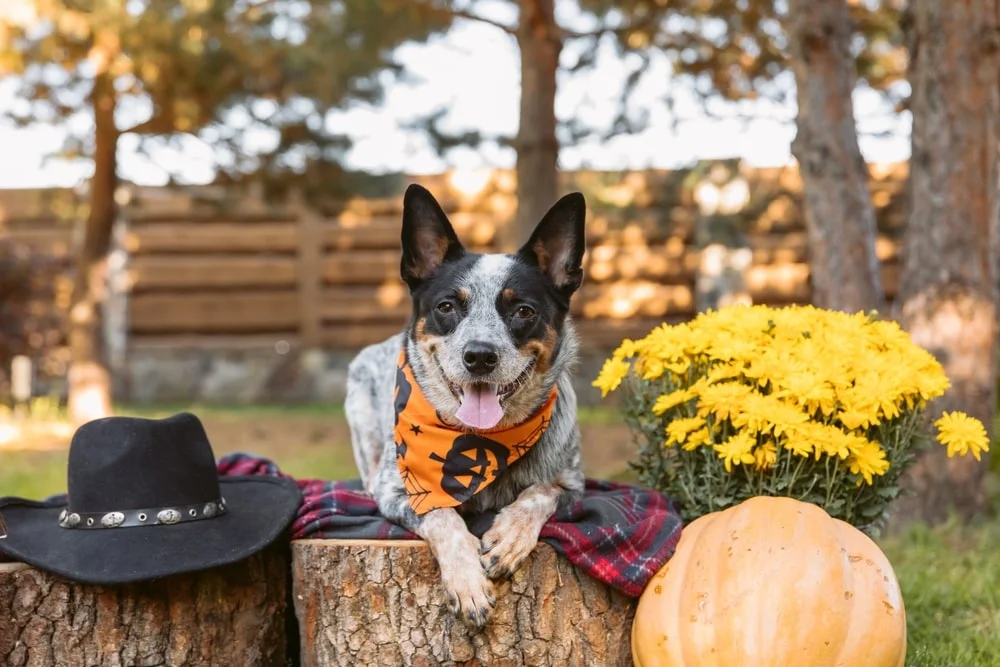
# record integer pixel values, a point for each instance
(505, 545)
(470, 592)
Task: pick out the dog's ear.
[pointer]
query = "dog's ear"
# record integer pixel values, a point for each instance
(558, 243)
(428, 238)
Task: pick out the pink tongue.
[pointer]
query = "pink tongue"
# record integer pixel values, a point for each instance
(480, 407)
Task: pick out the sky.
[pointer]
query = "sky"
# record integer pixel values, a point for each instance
(474, 69)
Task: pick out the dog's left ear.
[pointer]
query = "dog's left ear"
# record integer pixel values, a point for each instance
(428, 239)
(558, 243)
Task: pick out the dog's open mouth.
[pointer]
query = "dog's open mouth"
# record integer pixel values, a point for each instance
(481, 403)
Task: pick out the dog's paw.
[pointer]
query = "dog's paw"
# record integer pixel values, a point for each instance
(469, 591)
(510, 540)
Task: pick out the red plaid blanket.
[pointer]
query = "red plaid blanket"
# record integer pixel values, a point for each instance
(619, 534)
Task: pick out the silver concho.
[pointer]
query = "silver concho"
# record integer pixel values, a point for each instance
(211, 509)
(113, 519)
(69, 520)
(168, 516)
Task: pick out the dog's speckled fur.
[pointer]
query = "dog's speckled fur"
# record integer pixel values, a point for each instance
(519, 304)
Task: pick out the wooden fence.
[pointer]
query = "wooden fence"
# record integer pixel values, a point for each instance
(330, 278)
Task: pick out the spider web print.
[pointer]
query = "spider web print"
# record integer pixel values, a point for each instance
(414, 489)
(521, 448)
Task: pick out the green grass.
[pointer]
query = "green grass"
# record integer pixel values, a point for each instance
(950, 577)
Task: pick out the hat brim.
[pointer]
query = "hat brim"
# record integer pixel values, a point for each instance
(259, 509)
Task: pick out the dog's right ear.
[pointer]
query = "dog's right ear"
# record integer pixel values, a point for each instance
(428, 238)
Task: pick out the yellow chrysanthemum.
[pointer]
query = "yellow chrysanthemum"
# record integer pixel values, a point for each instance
(808, 389)
(697, 439)
(678, 430)
(868, 461)
(962, 434)
(769, 383)
(764, 456)
(725, 400)
(735, 451)
(672, 400)
(612, 373)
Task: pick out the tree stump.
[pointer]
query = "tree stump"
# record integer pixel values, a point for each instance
(361, 602)
(231, 615)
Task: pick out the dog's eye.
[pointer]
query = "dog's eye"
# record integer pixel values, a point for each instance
(525, 312)
(445, 307)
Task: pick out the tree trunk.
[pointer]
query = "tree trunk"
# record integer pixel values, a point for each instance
(840, 219)
(89, 379)
(949, 279)
(537, 146)
(232, 615)
(381, 603)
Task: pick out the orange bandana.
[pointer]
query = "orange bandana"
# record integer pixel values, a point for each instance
(444, 466)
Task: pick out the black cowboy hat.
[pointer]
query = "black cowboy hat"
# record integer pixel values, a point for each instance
(144, 501)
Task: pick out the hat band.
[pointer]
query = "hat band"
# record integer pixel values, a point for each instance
(153, 516)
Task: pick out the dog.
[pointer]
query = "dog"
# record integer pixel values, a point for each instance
(489, 349)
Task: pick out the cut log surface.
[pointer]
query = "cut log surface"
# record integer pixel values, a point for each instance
(361, 602)
(227, 616)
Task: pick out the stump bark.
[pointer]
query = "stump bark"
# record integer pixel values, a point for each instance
(232, 615)
(361, 602)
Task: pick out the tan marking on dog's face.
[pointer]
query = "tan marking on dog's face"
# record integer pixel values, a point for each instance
(509, 294)
(427, 342)
(543, 350)
(463, 295)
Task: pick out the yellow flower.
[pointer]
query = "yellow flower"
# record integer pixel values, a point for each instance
(763, 413)
(810, 381)
(700, 437)
(678, 430)
(765, 456)
(672, 400)
(725, 400)
(867, 461)
(612, 373)
(808, 390)
(962, 434)
(736, 450)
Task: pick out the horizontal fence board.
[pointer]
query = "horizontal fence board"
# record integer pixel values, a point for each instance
(55, 240)
(282, 236)
(212, 237)
(365, 267)
(186, 272)
(350, 305)
(277, 340)
(207, 312)
(341, 337)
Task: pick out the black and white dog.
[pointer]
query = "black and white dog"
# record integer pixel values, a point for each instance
(490, 340)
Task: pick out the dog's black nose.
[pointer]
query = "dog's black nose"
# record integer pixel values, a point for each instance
(480, 358)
